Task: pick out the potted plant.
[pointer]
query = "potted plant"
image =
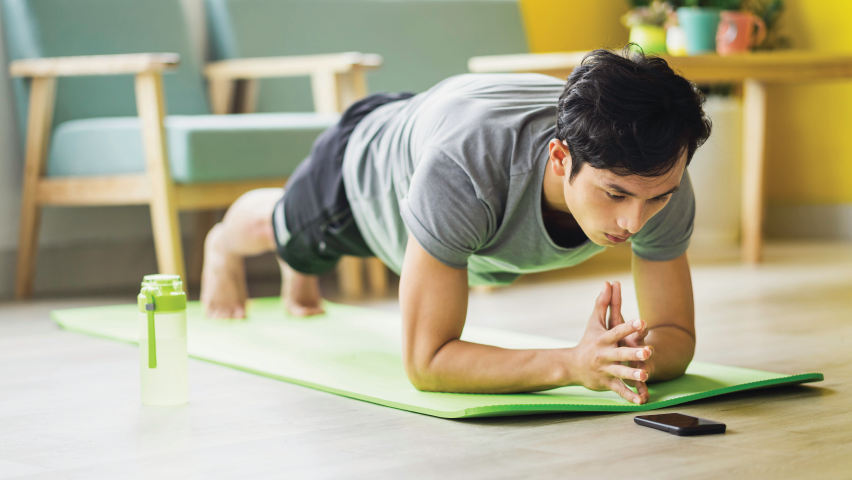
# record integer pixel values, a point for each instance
(647, 23)
(769, 11)
(699, 20)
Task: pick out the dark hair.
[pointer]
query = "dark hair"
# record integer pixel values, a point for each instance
(629, 113)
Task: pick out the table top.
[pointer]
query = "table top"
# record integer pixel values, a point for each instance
(775, 66)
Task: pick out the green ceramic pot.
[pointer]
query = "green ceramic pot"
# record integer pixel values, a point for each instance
(651, 38)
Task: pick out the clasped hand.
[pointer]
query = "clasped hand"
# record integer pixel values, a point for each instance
(612, 353)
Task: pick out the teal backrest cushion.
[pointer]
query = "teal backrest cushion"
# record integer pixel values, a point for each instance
(422, 41)
(58, 28)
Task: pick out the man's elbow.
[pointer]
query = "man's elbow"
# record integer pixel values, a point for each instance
(667, 374)
(675, 368)
(420, 375)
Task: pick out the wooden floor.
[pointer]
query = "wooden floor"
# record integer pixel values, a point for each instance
(69, 405)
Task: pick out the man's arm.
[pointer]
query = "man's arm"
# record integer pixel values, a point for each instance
(664, 293)
(434, 306)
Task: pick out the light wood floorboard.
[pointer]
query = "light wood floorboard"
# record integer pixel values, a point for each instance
(69, 405)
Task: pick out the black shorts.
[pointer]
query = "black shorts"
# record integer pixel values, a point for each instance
(318, 227)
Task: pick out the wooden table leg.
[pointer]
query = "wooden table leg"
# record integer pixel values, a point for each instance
(754, 147)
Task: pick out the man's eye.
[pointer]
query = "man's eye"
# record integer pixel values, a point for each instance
(615, 197)
(662, 199)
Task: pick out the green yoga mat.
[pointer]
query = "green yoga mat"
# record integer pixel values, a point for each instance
(355, 352)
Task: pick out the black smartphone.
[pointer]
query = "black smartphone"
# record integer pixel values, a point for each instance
(679, 424)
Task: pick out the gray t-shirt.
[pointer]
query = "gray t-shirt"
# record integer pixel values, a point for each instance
(461, 168)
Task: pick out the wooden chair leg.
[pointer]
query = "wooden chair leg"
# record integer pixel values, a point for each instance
(42, 91)
(350, 272)
(167, 238)
(377, 274)
(27, 246)
(164, 214)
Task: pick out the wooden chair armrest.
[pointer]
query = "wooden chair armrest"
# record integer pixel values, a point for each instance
(94, 65)
(291, 66)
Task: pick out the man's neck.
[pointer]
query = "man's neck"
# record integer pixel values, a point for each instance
(561, 226)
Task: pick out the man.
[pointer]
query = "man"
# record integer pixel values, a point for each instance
(478, 180)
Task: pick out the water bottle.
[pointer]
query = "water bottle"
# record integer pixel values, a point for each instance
(162, 340)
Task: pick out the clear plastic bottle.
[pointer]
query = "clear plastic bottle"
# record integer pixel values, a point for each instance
(162, 340)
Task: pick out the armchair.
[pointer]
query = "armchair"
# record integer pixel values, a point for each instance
(86, 145)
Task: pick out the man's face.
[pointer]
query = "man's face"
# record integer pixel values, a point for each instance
(610, 208)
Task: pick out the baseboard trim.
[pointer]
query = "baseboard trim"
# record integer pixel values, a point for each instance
(824, 222)
(95, 268)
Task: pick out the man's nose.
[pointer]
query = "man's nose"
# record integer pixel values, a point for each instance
(631, 218)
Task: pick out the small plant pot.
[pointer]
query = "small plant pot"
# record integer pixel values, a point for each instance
(651, 38)
(700, 26)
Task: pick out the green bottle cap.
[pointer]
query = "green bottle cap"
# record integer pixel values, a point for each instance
(167, 291)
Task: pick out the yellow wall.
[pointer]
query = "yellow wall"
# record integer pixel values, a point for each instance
(571, 25)
(809, 155)
(809, 159)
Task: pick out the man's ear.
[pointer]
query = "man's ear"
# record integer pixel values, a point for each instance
(560, 157)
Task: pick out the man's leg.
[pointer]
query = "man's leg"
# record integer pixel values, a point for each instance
(246, 231)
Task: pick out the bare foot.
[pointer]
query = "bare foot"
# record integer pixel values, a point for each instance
(223, 280)
(300, 293)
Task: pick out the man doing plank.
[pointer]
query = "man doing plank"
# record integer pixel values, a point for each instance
(477, 181)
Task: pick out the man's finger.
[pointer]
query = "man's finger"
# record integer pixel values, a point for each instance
(644, 333)
(615, 317)
(627, 354)
(635, 339)
(642, 390)
(626, 373)
(601, 304)
(620, 388)
(632, 340)
(621, 332)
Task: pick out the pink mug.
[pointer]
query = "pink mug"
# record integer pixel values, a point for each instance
(736, 32)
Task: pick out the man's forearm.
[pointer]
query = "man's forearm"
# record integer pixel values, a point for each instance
(466, 367)
(674, 348)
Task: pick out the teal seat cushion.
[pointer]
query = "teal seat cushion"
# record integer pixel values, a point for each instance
(202, 148)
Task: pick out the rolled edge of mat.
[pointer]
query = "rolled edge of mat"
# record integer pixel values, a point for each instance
(535, 409)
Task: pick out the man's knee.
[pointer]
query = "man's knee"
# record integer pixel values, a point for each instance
(258, 200)
(248, 223)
